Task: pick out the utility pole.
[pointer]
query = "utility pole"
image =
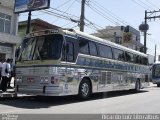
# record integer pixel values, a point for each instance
(155, 53)
(28, 23)
(145, 33)
(27, 29)
(82, 15)
(144, 27)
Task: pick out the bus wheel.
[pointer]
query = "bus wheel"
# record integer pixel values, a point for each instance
(137, 85)
(158, 85)
(84, 89)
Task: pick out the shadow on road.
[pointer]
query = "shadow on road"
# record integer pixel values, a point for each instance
(46, 102)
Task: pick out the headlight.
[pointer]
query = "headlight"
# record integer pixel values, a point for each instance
(44, 80)
(19, 79)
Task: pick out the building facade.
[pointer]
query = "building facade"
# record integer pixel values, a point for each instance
(124, 35)
(8, 29)
(36, 25)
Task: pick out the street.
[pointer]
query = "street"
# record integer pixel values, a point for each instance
(146, 101)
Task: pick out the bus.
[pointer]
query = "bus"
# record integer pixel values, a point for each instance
(61, 62)
(156, 74)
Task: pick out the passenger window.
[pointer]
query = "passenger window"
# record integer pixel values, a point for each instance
(138, 59)
(119, 54)
(105, 51)
(145, 61)
(129, 57)
(70, 52)
(83, 46)
(69, 49)
(93, 48)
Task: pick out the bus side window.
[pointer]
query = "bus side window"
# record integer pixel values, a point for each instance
(70, 52)
(144, 61)
(93, 49)
(138, 59)
(118, 54)
(83, 46)
(105, 51)
(129, 57)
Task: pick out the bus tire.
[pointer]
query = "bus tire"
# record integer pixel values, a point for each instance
(158, 85)
(84, 89)
(138, 85)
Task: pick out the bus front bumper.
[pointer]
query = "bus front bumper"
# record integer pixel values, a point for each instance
(40, 90)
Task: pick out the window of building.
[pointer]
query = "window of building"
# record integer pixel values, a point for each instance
(118, 40)
(105, 51)
(93, 48)
(5, 23)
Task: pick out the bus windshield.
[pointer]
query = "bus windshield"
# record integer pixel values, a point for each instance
(42, 48)
(156, 70)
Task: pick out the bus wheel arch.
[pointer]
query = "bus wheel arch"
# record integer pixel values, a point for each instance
(85, 88)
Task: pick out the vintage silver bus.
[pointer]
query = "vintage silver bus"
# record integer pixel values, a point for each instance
(62, 62)
(156, 74)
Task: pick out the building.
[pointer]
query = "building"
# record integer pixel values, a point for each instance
(8, 29)
(124, 35)
(36, 25)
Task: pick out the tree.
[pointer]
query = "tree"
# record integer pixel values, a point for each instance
(127, 36)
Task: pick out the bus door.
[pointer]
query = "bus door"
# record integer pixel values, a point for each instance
(69, 56)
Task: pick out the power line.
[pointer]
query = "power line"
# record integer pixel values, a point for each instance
(70, 6)
(109, 12)
(67, 14)
(100, 13)
(146, 5)
(140, 5)
(103, 15)
(56, 14)
(68, 18)
(152, 4)
(66, 9)
(65, 17)
(63, 4)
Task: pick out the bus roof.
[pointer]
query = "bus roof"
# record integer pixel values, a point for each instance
(103, 41)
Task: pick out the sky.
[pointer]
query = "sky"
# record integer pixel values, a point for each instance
(102, 13)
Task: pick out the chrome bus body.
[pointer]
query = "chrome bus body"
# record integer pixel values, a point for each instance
(60, 78)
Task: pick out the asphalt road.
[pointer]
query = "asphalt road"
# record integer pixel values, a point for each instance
(144, 102)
